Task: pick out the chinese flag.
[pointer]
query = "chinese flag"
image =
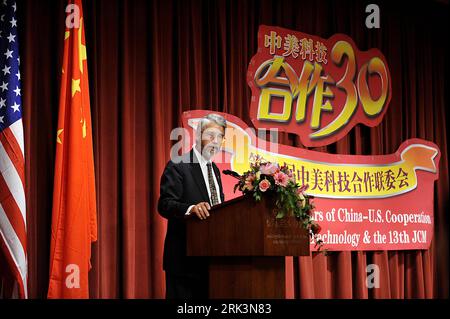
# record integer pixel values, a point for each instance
(74, 221)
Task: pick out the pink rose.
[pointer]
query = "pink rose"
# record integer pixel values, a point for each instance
(264, 185)
(281, 179)
(269, 168)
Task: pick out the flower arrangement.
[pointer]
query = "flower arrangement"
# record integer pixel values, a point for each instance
(269, 178)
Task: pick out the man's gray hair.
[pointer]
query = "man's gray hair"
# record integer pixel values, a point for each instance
(216, 118)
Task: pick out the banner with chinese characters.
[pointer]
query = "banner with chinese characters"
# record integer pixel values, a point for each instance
(382, 202)
(316, 88)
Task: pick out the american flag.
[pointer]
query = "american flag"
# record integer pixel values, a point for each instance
(13, 238)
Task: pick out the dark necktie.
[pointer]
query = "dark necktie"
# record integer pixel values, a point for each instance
(212, 186)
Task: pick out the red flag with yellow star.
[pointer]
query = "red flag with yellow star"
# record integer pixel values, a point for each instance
(74, 219)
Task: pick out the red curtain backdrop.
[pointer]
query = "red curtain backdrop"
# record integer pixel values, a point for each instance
(151, 60)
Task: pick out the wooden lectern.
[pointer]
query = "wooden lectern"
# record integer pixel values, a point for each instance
(247, 246)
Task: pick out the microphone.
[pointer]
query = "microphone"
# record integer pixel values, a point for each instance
(231, 173)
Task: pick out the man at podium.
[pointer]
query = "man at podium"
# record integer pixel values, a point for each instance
(190, 185)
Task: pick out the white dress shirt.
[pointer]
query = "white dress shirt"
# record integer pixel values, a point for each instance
(204, 169)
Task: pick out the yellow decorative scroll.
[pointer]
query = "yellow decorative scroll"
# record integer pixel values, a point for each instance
(335, 176)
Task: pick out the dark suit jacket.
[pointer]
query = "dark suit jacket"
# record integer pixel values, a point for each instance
(182, 185)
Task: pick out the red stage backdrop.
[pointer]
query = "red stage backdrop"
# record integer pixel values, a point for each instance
(150, 61)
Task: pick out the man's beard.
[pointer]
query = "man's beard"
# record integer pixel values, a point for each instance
(209, 150)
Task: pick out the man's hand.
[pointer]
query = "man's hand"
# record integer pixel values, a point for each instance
(201, 210)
